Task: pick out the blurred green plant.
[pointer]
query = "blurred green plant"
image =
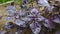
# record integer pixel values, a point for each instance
(19, 1)
(4, 1)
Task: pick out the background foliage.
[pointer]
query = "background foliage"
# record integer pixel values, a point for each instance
(3, 1)
(18, 1)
